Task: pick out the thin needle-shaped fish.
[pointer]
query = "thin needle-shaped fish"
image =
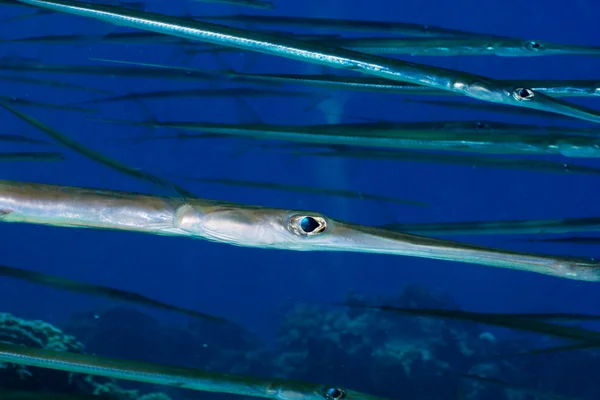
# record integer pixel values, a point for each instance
(139, 38)
(456, 159)
(486, 107)
(387, 27)
(471, 85)
(508, 227)
(180, 73)
(262, 4)
(140, 5)
(476, 127)
(562, 317)
(15, 59)
(421, 137)
(50, 83)
(10, 138)
(209, 93)
(30, 103)
(554, 88)
(94, 155)
(252, 226)
(70, 285)
(593, 240)
(185, 378)
(304, 189)
(549, 350)
(32, 156)
(534, 393)
(7, 394)
(510, 321)
(504, 47)
(112, 38)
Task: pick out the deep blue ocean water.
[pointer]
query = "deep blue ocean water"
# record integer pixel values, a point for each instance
(253, 286)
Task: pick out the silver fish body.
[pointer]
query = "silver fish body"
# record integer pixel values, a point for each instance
(186, 378)
(503, 47)
(471, 85)
(252, 226)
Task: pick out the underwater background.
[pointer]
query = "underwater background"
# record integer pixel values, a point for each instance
(275, 297)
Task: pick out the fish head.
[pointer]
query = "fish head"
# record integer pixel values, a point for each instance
(529, 98)
(251, 226)
(482, 89)
(532, 47)
(303, 391)
(282, 229)
(497, 92)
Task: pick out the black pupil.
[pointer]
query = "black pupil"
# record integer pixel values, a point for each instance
(535, 45)
(308, 225)
(480, 125)
(524, 93)
(334, 393)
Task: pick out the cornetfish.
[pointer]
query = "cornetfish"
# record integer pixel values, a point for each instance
(253, 226)
(503, 47)
(471, 85)
(186, 378)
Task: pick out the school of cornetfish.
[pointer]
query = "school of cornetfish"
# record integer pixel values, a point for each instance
(483, 144)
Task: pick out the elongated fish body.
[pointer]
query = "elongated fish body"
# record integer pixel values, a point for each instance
(506, 47)
(507, 227)
(457, 159)
(101, 70)
(452, 47)
(186, 378)
(486, 140)
(87, 208)
(389, 27)
(471, 85)
(252, 226)
(31, 156)
(245, 3)
(554, 88)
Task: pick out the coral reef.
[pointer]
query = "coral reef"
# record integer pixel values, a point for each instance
(364, 349)
(400, 356)
(36, 334)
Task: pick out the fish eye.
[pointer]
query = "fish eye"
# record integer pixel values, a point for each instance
(566, 167)
(334, 394)
(307, 225)
(535, 45)
(523, 94)
(481, 125)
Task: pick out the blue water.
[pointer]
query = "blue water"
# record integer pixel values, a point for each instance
(253, 286)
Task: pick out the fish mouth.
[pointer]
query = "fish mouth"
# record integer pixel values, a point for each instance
(357, 238)
(542, 102)
(352, 395)
(369, 239)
